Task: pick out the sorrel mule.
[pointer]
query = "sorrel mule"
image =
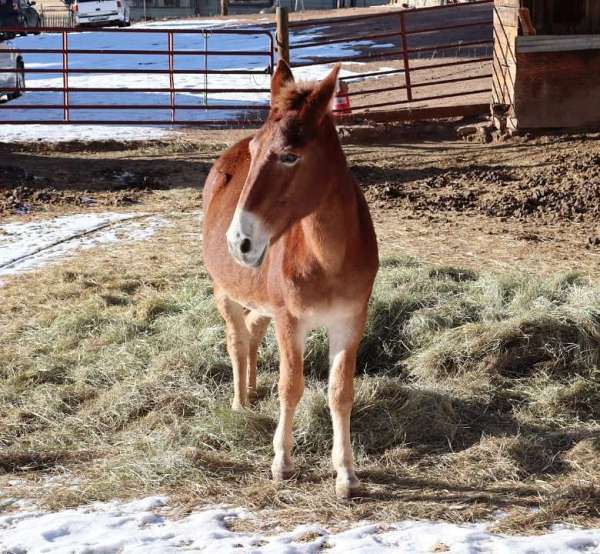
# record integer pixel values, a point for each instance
(288, 236)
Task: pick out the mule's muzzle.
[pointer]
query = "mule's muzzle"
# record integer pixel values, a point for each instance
(246, 240)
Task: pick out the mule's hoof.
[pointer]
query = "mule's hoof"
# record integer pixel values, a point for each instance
(348, 488)
(282, 473)
(237, 406)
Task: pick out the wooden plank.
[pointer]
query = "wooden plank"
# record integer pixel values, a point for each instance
(503, 29)
(542, 14)
(503, 87)
(504, 45)
(507, 16)
(499, 92)
(507, 3)
(558, 89)
(415, 114)
(526, 22)
(557, 43)
(504, 66)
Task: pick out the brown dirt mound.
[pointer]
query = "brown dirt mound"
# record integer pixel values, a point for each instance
(23, 199)
(564, 187)
(22, 192)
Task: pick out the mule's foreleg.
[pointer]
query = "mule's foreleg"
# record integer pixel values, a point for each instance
(238, 340)
(257, 327)
(290, 339)
(344, 338)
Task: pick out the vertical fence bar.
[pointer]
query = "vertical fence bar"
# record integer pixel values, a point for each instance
(409, 96)
(205, 69)
(171, 75)
(272, 52)
(65, 67)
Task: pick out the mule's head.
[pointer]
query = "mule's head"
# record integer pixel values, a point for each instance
(292, 158)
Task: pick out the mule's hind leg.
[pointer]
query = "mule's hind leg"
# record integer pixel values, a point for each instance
(257, 327)
(238, 343)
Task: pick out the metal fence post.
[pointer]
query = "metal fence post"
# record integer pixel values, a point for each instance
(65, 60)
(205, 69)
(405, 56)
(271, 68)
(283, 34)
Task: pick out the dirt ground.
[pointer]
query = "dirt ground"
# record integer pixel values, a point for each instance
(531, 203)
(528, 203)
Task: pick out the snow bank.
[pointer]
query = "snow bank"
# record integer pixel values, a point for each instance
(27, 246)
(142, 526)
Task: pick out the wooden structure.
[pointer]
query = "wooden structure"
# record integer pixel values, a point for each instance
(560, 17)
(547, 63)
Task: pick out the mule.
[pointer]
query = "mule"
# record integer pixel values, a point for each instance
(288, 237)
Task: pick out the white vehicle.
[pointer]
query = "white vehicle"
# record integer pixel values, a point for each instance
(10, 79)
(101, 12)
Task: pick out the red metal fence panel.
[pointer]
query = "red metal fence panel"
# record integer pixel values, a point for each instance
(102, 61)
(438, 56)
(442, 55)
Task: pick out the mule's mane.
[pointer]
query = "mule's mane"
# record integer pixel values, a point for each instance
(295, 109)
(293, 96)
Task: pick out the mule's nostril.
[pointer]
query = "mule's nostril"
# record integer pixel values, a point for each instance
(245, 246)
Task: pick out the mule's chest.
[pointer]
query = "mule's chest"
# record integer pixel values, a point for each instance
(323, 302)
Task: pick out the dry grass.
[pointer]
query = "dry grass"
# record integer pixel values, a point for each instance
(475, 393)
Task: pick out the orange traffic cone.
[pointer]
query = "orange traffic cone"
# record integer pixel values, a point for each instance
(341, 103)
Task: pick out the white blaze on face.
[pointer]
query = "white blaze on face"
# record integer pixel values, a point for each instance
(247, 238)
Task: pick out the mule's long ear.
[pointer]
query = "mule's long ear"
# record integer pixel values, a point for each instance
(282, 76)
(319, 103)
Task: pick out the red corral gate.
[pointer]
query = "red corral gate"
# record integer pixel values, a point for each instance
(141, 75)
(416, 61)
(401, 60)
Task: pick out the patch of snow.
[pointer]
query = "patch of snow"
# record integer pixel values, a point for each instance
(28, 246)
(212, 23)
(142, 526)
(64, 133)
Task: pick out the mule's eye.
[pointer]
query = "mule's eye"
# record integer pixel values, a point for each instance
(288, 158)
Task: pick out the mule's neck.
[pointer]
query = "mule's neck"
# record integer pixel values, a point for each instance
(330, 230)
